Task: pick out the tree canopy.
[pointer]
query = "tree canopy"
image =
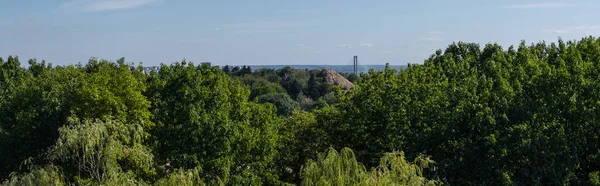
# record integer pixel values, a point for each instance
(524, 115)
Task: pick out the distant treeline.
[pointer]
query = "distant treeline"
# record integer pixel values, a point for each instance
(526, 115)
(287, 88)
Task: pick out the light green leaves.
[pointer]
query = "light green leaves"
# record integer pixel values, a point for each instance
(337, 169)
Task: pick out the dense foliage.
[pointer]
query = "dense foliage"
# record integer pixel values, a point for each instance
(527, 115)
(287, 88)
(203, 119)
(523, 116)
(333, 168)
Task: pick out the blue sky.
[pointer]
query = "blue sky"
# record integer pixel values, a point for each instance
(278, 31)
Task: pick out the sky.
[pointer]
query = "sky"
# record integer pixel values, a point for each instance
(274, 32)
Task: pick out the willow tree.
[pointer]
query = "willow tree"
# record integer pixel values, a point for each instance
(49, 175)
(181, 177)
(341, 168)
(103, 152)
(36, 105)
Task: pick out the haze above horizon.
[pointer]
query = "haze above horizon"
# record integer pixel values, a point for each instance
(273, 32)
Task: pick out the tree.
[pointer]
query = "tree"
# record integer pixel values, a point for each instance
(528, 113)
(260, 86)
(235, 70)
(37, 106)
(226, 69)
(301, 138)
(49, 175)
(246, 70)
(105, 152)
(333, 168)
(284, 103)
(231, 139)
(268, 74)
(352, 78)
(293, 81)
(37, 68)
(183, 178)
(520, 112)
(313, 87)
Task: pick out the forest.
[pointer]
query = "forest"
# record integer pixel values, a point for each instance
(467, 115)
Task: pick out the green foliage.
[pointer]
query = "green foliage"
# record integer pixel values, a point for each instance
(309, 88)
(302, 137)
(38, 68)
(594, 178)
(331, 98)
(226, 69)
(284, 104)
(318, 86)
(352, 78)
(527, 114)
(294, 82)
(46, 176)
(239, 71)
(204, 119)
(333, 168)
(10, 70)
(260, 86)
(33, 108)
(269, 74)
(106, 152)
(182, 178)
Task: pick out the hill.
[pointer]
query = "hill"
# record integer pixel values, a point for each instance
(335, 78)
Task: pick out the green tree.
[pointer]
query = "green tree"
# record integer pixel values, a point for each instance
(104, 152)
(284, 103)
(260, 86)
(525, 113)
(182, 178)
(293, 81)
(333, 168)
(352, 78)
(49, 175)
(37, 106)
(226, 69)
(268, 74)
(204, 120)
(301, 138)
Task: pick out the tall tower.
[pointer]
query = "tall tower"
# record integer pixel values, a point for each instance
(355, 65)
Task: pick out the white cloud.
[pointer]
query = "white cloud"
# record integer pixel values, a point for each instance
(103, 5)
(368, 45)
(344, 45)
(431, 39)
(540, 5)
(216, 29)
(584, 29)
